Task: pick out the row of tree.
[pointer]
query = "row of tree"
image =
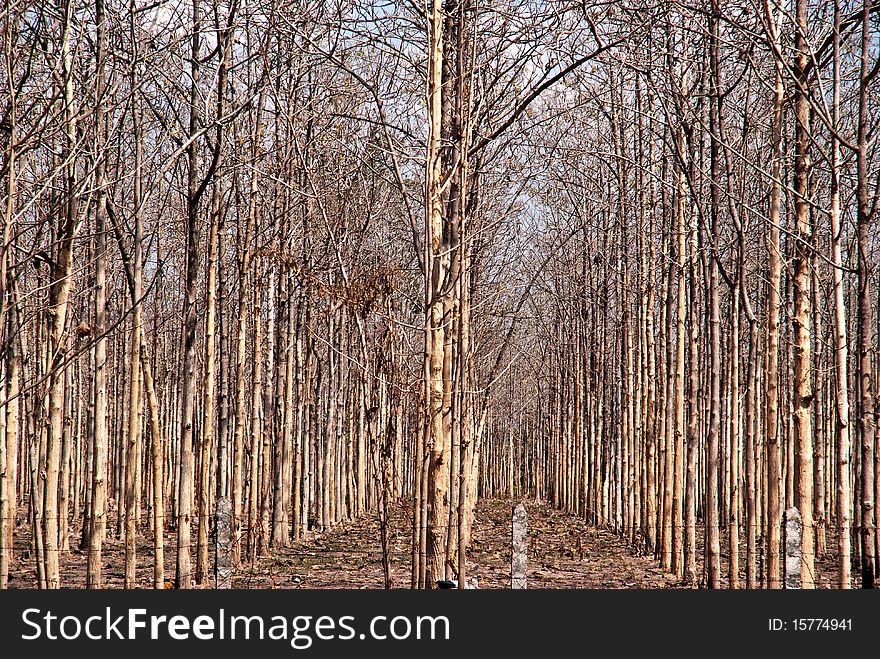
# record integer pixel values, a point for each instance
(712, 332)
(315, 257)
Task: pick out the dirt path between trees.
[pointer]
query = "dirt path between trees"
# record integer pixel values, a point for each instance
(563, 553)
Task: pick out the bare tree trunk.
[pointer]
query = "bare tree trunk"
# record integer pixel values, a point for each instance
(436, 441)
(190, 322)
(678, 388)
(803, 385)
(733, 526)
(257, 429)
(713, 539)
(651, 372)
(841, 344)
(693, 438)
(771, 401)
(134, 402)
(667, 403)
(283, 427)
(865, 345)
(157, 460)
(59, 295)
(245, 246)
(11, 438)
(8, 354)
(820, 409)
(205, 445)
(466, 500)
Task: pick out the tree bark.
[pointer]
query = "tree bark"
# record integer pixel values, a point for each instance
(803, 381)
(865, 345)
(59, 295)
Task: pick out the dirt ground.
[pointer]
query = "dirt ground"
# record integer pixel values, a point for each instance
(563, 553)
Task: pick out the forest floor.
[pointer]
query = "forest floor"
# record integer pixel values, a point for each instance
(563, 553)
